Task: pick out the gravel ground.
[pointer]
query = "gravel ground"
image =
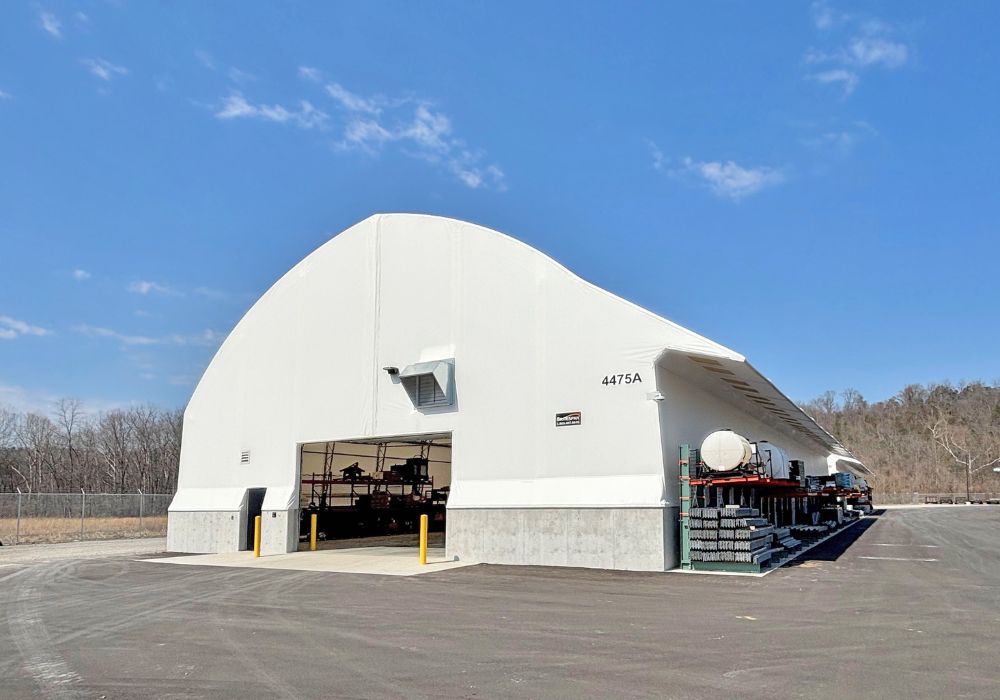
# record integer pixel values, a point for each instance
(26, 554)
(906, 605)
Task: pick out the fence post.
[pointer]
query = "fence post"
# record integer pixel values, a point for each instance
(140, 512)
(83, 510)
(17, 530)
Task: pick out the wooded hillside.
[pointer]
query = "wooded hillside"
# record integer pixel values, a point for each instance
(929, 439)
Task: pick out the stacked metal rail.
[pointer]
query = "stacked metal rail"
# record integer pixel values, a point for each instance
(730, 534)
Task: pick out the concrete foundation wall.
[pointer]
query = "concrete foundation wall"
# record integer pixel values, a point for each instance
(637, 539)
(279, 531)
(205, 531)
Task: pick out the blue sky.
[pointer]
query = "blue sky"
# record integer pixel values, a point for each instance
(813, 185)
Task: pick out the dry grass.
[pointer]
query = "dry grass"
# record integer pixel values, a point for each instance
(48, 530)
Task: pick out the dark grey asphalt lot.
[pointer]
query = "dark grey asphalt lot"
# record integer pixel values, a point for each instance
(836, 625)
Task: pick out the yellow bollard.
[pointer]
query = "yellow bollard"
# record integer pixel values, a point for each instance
(423, 539)
(256, 536)
(312, 533)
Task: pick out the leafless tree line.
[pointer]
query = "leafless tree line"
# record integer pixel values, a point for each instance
(934, 439)
(119, 451)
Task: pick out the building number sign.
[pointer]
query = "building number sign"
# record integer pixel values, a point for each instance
(626, 378)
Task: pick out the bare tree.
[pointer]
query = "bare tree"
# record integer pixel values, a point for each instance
(969, 431)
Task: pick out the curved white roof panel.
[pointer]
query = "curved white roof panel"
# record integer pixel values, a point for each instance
(516, 337)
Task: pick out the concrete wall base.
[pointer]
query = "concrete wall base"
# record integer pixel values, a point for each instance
(215, 532)
(637, 539)
(279, 531)
(205, 532)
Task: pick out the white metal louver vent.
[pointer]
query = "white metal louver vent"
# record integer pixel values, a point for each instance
(429, 384)
(245, 457)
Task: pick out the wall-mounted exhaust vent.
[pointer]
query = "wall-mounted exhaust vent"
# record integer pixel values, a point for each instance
(430, 384)
(245, 457)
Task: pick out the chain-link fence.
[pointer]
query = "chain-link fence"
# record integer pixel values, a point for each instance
(29, 518)
(916, 498)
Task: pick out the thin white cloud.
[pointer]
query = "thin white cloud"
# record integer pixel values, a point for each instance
(426, 134)
(373, 122)
(659, 160)
(205, 338)
(11, 328)
(351, 102)
(145, 287)
(843, 139)
(310, 73)
(51, 24)
(846, 78)
(732, 181)
(876, 51)
(103, 69)
(240, 76)
(124, 338)
(209, 293)
(826, 17)
(80, 275)
(206, 59)
(866, 43)
(235, 75)
(5, 95)
(235, 106)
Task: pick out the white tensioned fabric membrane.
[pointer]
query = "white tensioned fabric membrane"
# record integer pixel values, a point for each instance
(528, 339)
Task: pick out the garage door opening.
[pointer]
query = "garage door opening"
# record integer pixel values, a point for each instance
(372, 492)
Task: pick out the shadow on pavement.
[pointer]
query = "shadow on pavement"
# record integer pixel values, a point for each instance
(833, 548)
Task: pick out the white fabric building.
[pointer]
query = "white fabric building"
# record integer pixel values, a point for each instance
(564, 405)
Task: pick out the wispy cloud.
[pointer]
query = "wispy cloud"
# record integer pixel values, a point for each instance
(659, 160)
(205, 338)
(5, 95)
(50, 23)
(351, 102)
(145, 287)
(310, 73)
(826, 17)
(43, 402)
(418, 128)
(729, 180)
(80, 275)
(236, 75)
(11, 328)
(124, 338)
(206, 59)
(235, 106)
(865, 43)
(842, 139)
(240, 76)
(846, 78)
(209, 293)
(103, 69)
(867, 51)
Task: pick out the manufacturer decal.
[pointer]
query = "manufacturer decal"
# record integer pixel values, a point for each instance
(569, 418)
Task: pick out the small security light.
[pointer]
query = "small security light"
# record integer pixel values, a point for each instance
(393, 371)
(655, 396)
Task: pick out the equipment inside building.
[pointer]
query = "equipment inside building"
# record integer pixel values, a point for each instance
(383, 491)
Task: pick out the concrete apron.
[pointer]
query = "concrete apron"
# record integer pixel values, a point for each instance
(385, 561)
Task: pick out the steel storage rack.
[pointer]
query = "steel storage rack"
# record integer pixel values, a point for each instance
(748, 522)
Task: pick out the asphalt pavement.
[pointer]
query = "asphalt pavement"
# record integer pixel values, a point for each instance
(906, 605)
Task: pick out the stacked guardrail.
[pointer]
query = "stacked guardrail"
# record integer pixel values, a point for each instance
(731, 534)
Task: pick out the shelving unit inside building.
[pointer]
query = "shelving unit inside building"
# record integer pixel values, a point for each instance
(375, 487)
(746, 508)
